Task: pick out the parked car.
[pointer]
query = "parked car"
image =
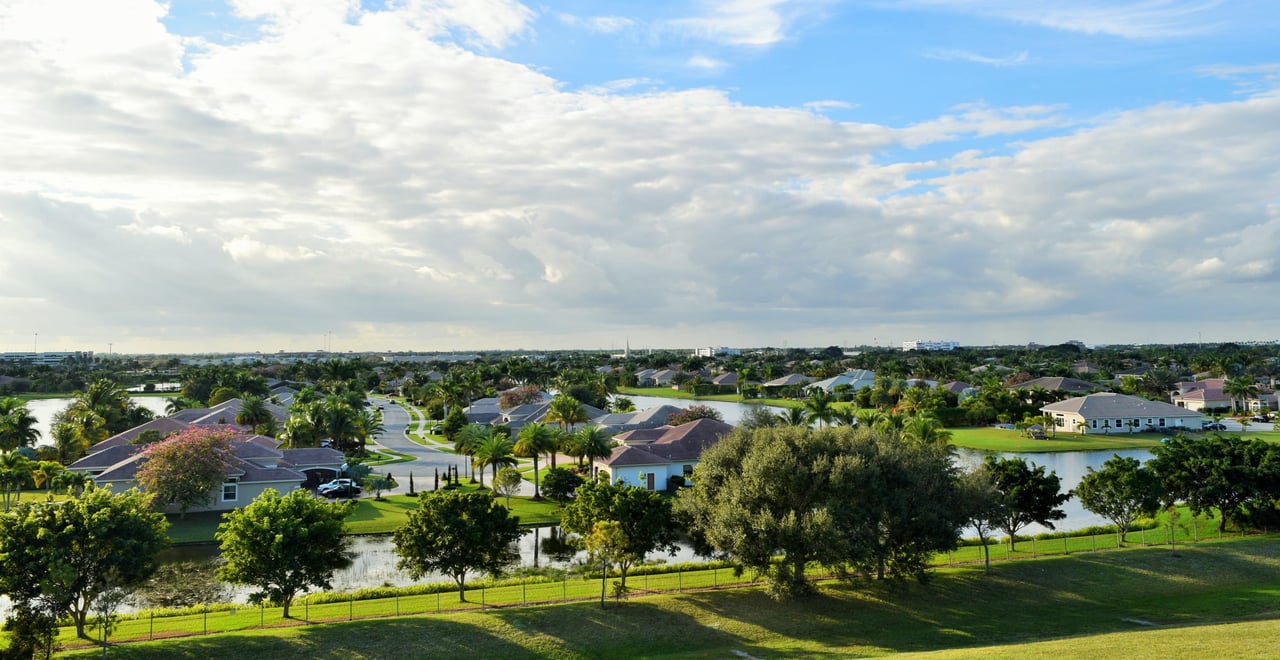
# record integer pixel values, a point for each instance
(1215, 427)
(437, 429)
(1260, 418)
(339, 488)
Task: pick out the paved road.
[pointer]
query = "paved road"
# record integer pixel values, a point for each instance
(395, 421)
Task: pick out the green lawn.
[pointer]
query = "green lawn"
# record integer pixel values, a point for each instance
(1134, 603)
(995, 439)
(370, 517)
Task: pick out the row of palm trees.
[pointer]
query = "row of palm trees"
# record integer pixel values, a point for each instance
(819, 408)
(332, 418)
(490, 447)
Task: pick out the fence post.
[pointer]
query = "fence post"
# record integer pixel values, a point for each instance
(262, 615)
(482, 596)
(948, 558)
(306, 611)
(1093, 541)
(151, 632)
(679, 579)
(715, 582)
(564, 588)
(437, 602)
(646, 581)
(351, 607)
(206, 619)
(1033, 547)
(1144, 538)
(524, 591)
(397, 603)
(1065, 549)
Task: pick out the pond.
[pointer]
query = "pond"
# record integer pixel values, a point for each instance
(45, 409)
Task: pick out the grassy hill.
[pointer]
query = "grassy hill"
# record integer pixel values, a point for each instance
(1130, 603)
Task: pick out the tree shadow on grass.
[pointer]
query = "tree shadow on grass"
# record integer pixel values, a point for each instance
(420, 637)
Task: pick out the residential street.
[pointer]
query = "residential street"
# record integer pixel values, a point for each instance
(395, 421)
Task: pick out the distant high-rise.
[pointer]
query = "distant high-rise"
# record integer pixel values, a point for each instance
(929, 345)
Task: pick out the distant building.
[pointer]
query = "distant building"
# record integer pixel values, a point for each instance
(929, 345)
(48, 358)
(711, 351)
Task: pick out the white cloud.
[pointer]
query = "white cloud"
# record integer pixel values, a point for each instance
(749, 22)
(1139, 19)
(963, 55)
(403, 191)
(601, 24)
(706, 63)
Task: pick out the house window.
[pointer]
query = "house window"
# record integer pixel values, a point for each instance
(1161, 421)
(688, 470)
(230, 491)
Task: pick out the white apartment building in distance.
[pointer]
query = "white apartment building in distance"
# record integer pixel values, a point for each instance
(928, 345)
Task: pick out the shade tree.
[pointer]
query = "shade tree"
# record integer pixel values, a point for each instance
(1027, 494)
(455, 533)
(1121, 491)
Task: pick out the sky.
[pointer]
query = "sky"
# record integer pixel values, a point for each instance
(266, 175)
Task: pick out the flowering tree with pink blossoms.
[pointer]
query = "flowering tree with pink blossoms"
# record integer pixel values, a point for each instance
(186, 467)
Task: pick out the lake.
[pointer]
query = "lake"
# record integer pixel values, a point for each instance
(45, 409)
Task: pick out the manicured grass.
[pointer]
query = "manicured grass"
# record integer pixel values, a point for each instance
(1189, 593)
(995, 439)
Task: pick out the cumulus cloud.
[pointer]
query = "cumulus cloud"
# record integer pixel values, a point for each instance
(748, 22)
(403, 188)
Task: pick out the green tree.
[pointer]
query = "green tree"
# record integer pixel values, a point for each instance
(15, 471)
(186, 468)
(454, 422)
(533, 440)
(565, 411)
(1227, 474)
(68, 445)
(17, 425)
(283, 545)
(455, 533)
(979, 502)
(1121, 491)
(1240, 389)
(368, 426)
(646, 518)
(592, 442)
(67, 554)
(694, 413)
(560, 484)
(494, 451)
(507, 483)
(254, 413)
(607, 545)
(1027, 494)
(926, 430)
(819, 406)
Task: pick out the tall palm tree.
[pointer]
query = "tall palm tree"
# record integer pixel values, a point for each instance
(368, 425)
(818, 405)
(1240, 388)
(15, 469)
(534, 438)
(494, 451)
(593, 442)
(17, 425)
(566, 411)
(466, 442)
(44, 473)
(866, 417)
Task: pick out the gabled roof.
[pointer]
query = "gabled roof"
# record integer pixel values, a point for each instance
(1058, 384)
(684, 443)
(956, 386)
(789, 379)
(101, 460)
(165, 425)
(730, 378)
(633, 455)
(642, 436)
(1110, 404)
(1207, 394)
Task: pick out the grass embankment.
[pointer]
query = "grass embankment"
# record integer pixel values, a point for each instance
(370, 516)
(1139, 602)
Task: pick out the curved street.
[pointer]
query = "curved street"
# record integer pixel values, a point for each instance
(426, 461)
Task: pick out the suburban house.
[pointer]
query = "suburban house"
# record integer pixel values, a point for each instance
(1205, 384)
(1108, 412)
(224, 413)
(1203, 400)
(649, 418)
(257, 463)
(855, 379)
(956, 386)
(789, 380)
(649, 457)
(1059, 384)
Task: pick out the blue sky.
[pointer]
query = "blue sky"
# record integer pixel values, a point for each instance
(441, 174)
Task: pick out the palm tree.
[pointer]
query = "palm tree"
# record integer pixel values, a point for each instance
(866, 417)
(890, 421)
(566, 411)
(338, 421)
(68, 445)
(17, 425)
(15, 469)
(44, 473)
(818, 405)
(466, 442)
(71, 483)
(1239, 388)
(253, 413)
(794, 417)
(594, 442)
(926, 430)
(494, 450)
(174, 404)
(534, 439)
(368, 425)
